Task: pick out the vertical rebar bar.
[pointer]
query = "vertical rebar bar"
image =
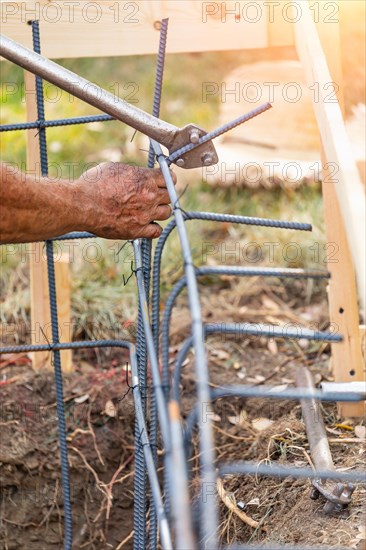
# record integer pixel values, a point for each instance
(160, 63)
(53, 311)
(140, 466)
(208, 506)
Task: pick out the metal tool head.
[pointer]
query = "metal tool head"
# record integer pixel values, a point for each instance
(202, 155)
(337, 495)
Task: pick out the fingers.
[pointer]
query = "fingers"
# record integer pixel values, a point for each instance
(162, 197)
(158, 177)
(174, 176)
(163, 212)
(151, 231)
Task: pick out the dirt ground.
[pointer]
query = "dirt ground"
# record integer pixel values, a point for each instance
(99, 411)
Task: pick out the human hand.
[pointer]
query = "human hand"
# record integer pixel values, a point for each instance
(120, 201)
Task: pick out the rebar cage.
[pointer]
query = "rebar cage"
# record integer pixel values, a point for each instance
(171, 522)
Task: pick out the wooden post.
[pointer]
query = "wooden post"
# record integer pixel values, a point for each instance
(40, 307)
(347, 360)
(347, 363)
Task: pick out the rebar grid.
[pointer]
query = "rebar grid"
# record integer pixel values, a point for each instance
(173, 510)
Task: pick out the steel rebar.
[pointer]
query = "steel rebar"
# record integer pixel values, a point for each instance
(147, 251)
(62, 430)
(208, 474)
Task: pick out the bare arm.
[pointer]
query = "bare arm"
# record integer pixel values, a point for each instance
(112, 200)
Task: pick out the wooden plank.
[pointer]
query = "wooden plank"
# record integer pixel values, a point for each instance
(347, 182)
(363, 344)
(346, 363)
(81, 29)
(361, 165)
(280, 27)
(63, 288)
(40, 308)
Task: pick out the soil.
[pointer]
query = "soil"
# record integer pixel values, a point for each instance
(100, 427)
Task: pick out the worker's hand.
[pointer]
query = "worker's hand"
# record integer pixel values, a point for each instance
(123, 202)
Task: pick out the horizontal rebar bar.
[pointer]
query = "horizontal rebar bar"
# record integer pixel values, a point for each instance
(280, 272)
(272, 331)
(292, 393)
(54, 123)
(247, 220)
(275, 470)
(244, 391)
(24, 348)
(75, 235)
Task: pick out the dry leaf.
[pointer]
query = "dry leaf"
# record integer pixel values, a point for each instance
(287, 380)
(332, 431)
(239, 418)
(220, 354)
(272, 346)
(81, 398)
(281, 387)
(215, 417)
(110, 409)
(360, 432)
(261, 424)
(236, 365)
(254, 502)
(269, 304)
(303, 343)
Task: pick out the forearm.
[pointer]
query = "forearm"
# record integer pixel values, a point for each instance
(112, 200)
(35, 208)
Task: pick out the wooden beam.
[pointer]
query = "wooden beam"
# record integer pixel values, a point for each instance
(346, 178)
(82, 29)
(40, 307)
(280, 29)
(63, 289)
(347, 363)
